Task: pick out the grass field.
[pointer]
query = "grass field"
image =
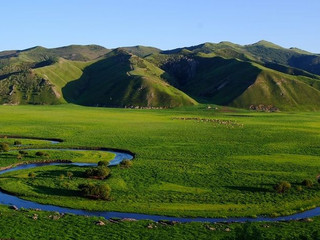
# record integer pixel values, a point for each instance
(223, 167)
(21, 225)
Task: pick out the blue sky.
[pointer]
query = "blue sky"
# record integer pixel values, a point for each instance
(164, 24)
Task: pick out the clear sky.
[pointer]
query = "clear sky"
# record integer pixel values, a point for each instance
(165, 24)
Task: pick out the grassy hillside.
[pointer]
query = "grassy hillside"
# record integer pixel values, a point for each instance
(284, 91)
(141, 51)
(229, 81)
(72, 52)
(122, 79)
(27, 88)
(224, 73)
(62, 72)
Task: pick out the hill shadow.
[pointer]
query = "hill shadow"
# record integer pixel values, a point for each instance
(56, 191)
(248, 189)
(101, 84)
(211, 80)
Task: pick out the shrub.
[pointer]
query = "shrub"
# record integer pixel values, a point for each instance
(307, 182)
(31, 175)
(4, 147)
(97, 191)
(100, 172)
(39, 154)
(299, 188)
(126, 163)
(19, 156)
(282, 187)
(61, 176)
(24, 153)
(17, 142)
(69, 175)
(103, 163)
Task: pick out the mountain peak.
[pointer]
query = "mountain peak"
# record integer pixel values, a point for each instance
(265, 43)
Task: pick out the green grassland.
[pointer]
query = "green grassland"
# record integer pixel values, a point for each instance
(192, 167)
(20, 225)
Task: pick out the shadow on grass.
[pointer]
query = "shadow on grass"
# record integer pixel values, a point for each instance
(249, 189)
(58, 173)
(56, 191)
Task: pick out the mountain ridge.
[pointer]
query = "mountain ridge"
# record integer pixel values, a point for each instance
(215, 73)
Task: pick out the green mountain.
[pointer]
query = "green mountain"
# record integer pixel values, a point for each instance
(257, 76)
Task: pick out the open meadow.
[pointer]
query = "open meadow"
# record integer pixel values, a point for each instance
(191, 162)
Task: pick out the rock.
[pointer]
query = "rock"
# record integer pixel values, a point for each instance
(266, 226)
(14, 207)
(168, 222)
(306, 220)
(100, 223)
(128, 220)
(227, 230)
(150, 226)
(210, 228)
(35, 216)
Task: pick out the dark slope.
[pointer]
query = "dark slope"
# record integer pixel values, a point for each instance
(123, 79)
(231, 81)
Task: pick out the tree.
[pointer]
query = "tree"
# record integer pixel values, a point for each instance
(97, 191)
(282, 187)
(4, 147)
(100, 172)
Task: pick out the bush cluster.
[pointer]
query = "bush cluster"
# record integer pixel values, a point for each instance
(17, 142)
(307, 182)
(4, 147)
(126, 163)
(100, 172)
(97, 191)
(282, 187)
(103, 163)
(42, 154)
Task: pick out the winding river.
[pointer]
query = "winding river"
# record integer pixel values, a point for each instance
(8, 199)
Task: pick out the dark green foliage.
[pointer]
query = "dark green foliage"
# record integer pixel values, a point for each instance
(69, 175)
(31, 175)
(22, 152)
(17, 142)
(282, 187)
(97, 191)
(247, 231)
(4, 147)
(103, 163)
(40, 154)
(126, 163)
(100, 172)
(307, 182)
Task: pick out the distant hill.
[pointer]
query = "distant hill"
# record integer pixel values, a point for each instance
(260, 74)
